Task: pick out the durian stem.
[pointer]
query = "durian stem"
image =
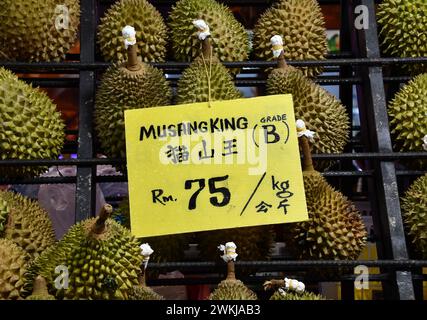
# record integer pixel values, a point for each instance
(281, 62)
(207, 48)
(231, 273)
(132, 64)
(105, 213)
(307, 160)
(40, 286)
(141, 278)
(274, 283)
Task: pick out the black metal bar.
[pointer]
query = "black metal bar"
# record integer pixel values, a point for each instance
(85, 184)
(386, 184)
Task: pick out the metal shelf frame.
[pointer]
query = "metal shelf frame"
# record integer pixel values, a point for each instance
(359, 64)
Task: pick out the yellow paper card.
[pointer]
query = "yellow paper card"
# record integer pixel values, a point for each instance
(193, 167)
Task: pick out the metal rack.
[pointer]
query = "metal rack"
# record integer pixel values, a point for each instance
(359, 64)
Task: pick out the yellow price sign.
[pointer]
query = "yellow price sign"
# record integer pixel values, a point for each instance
(197, 167)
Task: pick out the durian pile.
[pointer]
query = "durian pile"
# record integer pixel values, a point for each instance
(402, 30)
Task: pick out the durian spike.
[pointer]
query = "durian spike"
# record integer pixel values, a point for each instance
(303, 140)
(277, 48)
(104, 214)
(40, 286)
(273, 284)
(129, 33)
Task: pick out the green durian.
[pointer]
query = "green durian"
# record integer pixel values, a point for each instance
(278, 295)
(126, 86)
(102, 260)
(25, 223)
(301, 25)
(33, 30)
(231, 288)
(408, 118)
(13, 264)
(40, 290)
(402, 30)
(414, 212)
(230, 41)
(144, 293)
(150, 30)
(335, 229)
(31, 128)
(319, 109)
(169, 248)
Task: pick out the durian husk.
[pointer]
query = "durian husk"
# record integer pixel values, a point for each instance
(414, 212)
(13, 264)
(321, 111)
(335, 229)
(408, 119)
(296, 296)
(31, 128)
(302, 27)
(194, 86)
(402, 30)
(103, 261)
(232, 290)
(28, 225)
(229, 39)
(144, 293)
(28, 29)
(151, 31)
(169, 248)
(120, 90)
(4, 213)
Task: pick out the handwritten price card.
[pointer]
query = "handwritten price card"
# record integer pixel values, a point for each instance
(197, 167)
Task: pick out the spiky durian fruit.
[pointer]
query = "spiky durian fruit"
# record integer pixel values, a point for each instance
(13, 264)
(318, 108)
(408, 117)
(231, 288)
(101, 257)
(168, 248)
(283, 295)
(33, 30)
(402, 29)
(194, 83)
(31, 128)
(40, 290)
(126, 86)
(414, 211)
(335, 229)
(229, 39)
(302, 26)
(144, 293)
(255, 243)
(26, 223)
(149, 26)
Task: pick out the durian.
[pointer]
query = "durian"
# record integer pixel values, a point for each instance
(402, 30)
(169, 248)
(34, 30)
(317, 107)
(408, 117)
(206, 79)
(13, 264)
(101, 257)
(141, 291)
(149, 27)
(335, 229)
(230, 41)
(290, 289)
(40, 290)
(414, 212)
(231, 288)
(126, 86)
(302, 27)
(31, 127)
(25, 223)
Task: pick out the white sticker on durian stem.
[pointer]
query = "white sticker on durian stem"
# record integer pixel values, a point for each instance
(193, 167)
